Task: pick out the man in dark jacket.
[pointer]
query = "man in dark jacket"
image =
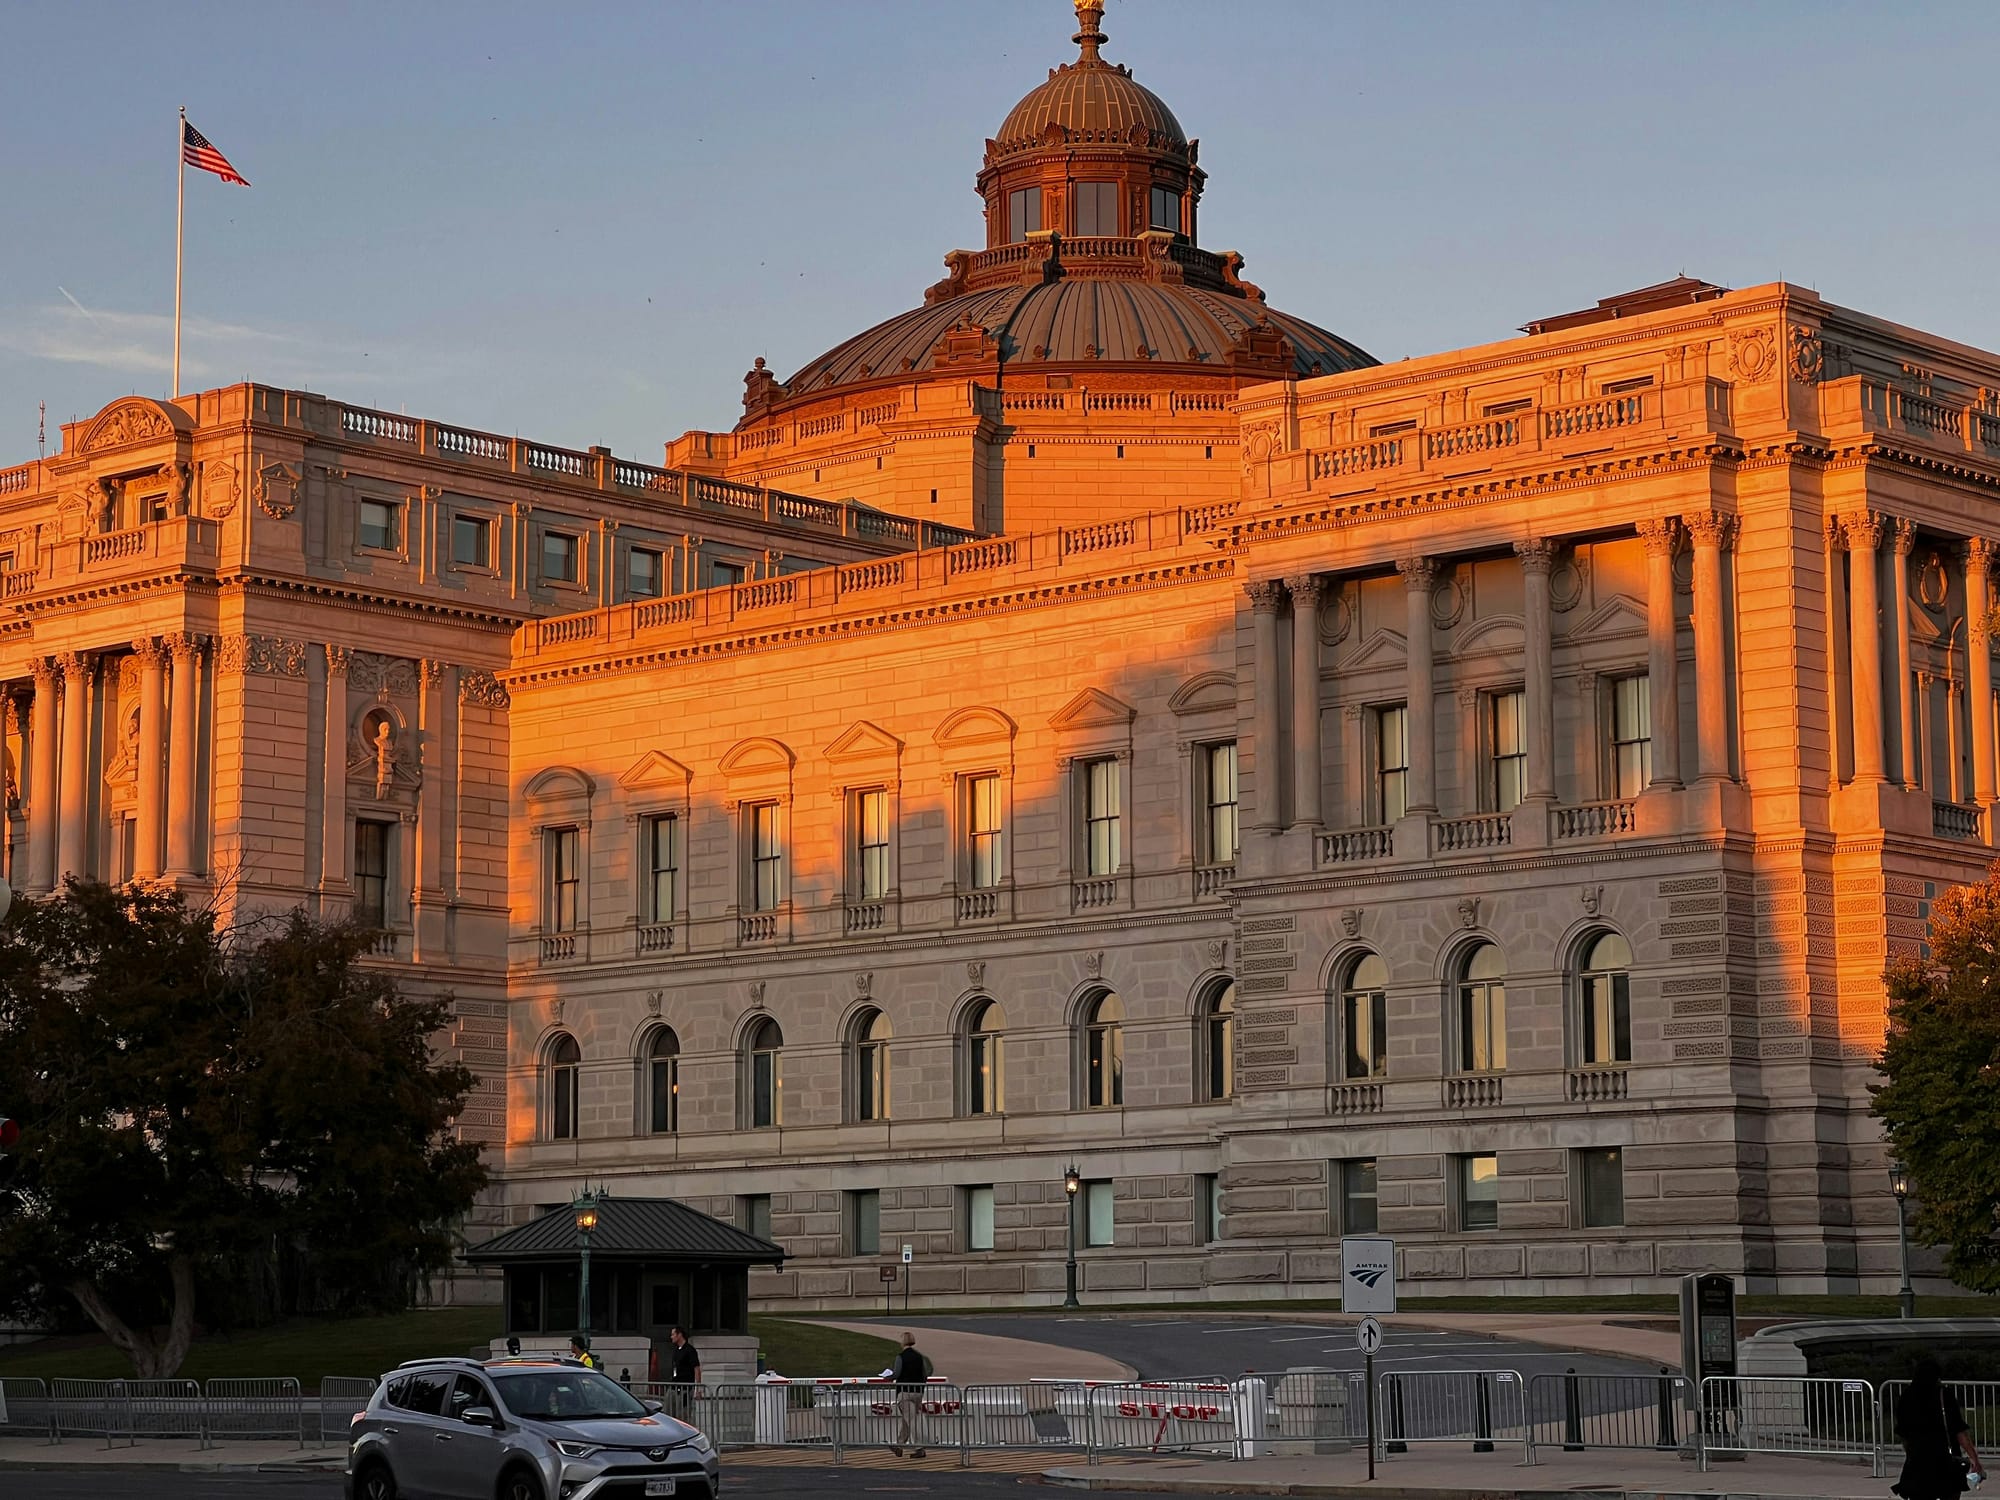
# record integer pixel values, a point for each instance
(910, 1371)
(686, 1373)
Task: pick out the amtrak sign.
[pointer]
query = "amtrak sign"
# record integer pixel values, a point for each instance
(1367, 1274)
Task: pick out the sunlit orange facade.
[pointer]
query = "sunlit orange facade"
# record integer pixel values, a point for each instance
(1471, 799)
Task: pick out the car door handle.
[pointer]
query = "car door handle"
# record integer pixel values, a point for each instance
(391, 1431)
(442, 1437)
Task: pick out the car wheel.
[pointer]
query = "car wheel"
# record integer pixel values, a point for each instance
(375, 1482)
(520, 1484)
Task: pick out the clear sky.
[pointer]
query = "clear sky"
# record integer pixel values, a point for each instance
(581, 221)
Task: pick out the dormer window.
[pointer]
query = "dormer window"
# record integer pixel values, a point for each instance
(1024, 213)
(1097, 208)
(1166, 209)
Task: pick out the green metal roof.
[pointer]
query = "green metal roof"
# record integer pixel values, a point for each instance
(650, 1229)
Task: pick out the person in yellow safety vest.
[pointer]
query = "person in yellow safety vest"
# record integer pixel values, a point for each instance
(579, 1349)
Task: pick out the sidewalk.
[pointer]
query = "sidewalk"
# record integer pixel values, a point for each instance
(987, 1359)
(184, 1456)
(1495, 1476)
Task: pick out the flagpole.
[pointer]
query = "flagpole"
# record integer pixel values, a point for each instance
(180, 225)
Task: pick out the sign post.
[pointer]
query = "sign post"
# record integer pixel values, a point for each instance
(909, 1259)
(888, 1291)
(1368, 1285)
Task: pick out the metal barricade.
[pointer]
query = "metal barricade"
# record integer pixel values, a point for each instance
(881, 1414)
(1788, 1414)
(25, 1409)
(1978, 1399)
(1480, 1407)
(1156, 1416)
(1579, 1412)
(725, 1414)
(270, 1409)
(88, 1408)
(1320, 1409)
(1022, 1415)
(341, 1397)
(164, 1409)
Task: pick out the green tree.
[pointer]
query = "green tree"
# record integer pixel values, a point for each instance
(1941, 1102)
(201, 1108)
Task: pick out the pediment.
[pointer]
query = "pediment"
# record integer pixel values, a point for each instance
(974, 726)
(865, 741)
(1385, 648)
(1494, 633)
(132, 420)
(758, 756)
(1094, 709)
(656, 771)
(1616, 616)
(1209, 692)
(558, 782)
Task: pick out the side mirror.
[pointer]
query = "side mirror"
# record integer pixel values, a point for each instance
(654, 1407)
(478, 1416)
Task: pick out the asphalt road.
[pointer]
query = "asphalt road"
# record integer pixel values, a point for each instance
(1170, 1348)
(786, 1484)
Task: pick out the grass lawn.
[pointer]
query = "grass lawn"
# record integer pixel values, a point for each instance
(309, 1348)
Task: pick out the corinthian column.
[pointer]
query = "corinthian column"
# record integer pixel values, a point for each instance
(1864, 640)
(1419, 691)
(1663, 666)
(333, 791)
(1979, 663)
(181, 753)
(42, 782)
(152, 756)
(1307, 593)
(1538, 664)
(1711, 659)
(72, 844)
(1906, 719)
(1266, 594)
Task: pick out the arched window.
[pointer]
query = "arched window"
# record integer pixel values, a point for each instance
(1104, 1052)
(663, 1082)
(871, 1065)
(763, 1066)
(1218, 1041)
(1605, 988)
(1364, 1019)
(565, 1063)
(986, 1059)
(1482, 1011)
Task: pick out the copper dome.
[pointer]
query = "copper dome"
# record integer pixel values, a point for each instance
(1090, 97)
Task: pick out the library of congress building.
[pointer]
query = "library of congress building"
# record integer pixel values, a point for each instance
(1094, 720)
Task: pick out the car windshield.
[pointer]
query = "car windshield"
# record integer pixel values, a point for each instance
(565, 1395)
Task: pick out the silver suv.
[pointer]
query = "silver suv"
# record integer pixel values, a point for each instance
(520, 1429)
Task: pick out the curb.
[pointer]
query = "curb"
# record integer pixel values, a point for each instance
(173, 1466)
(1160, 1484)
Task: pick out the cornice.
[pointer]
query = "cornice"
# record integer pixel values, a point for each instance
(1277, 886)
(255, 583)
(1175, 575)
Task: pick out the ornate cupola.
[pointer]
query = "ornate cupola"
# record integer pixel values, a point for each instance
(1090, 154)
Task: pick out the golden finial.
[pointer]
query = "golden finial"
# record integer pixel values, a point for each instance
(1090, 28)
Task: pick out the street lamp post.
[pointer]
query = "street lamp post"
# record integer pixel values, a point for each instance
(1072, 1185)
(586, 1221)
(1899, 1184)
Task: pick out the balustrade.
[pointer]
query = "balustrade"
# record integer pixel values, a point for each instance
(860, 578)
(1357, 458)
(1953, 820)
(874, 416)
(1594, 1085)
(1094, 894)
(978, 906)
(766, 593)
(556, 460)
(113, 545)
(1586, 417)
(565, 628)
(1486, 831)
(759, 927)
(1488, 435)
(863, 916)
(17, 480)
(656, 937)
(1213, 880)
(1596, 819)
(978, 557)
(15, 584)
(1354, 1098)
(676, 611)
(1346, 846)
(1471, 1090)
(558, 947)
(1098, 538)
(814, 427)
(384, 426)
(461, 443)
(645, 477)
(1202, 518)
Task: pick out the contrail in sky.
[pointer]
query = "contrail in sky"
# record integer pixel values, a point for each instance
(80, 307)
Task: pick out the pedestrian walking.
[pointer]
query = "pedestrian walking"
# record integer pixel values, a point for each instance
(579, 1350)
(1938, 1451)
(910, 1372)
(686, 1373)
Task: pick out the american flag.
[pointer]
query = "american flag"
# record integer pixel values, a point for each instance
(197, 152)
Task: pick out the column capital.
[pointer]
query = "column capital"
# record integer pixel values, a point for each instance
(1307, 588)
(1537, 554)
(1266, 595)
(1661, 535)
(44, 670)
(1905, 539)
(1979, 552)
(75, 665)
(338, 660)
(1864, 529)
(185, 644)
(432, 671)
(150, 651)
(1710, 528)
(1419, 573)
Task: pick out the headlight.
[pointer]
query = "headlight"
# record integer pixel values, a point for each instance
(700, 1443)
(577, 1450)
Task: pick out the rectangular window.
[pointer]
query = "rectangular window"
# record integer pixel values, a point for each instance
(979, 1218)
(1166, 209)
(767, 1088)
(1392, 762)
(726, 574)
(753, 1213)
(1024, 213)
(864, 1222)
(642, 574)
(1358, 1199)
(1478, 1192)
(371, 874)
(1100, 817)
(1607, 1018)
(767, 857)
(565, 878)
(1631, 736)
(379, 528)
(1507, 741)
(868, 814)
(559, 555)
(1366, 1025)
(1219, 803)
(663, 867)
(470, 541)
(1600, 1179)
(1097, 1213)
(1097, 208)
(982, 831)
(1208, 1207)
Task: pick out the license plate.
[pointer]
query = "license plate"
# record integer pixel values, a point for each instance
(659, 1487)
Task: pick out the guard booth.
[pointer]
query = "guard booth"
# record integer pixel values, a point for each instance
(654, 1262)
